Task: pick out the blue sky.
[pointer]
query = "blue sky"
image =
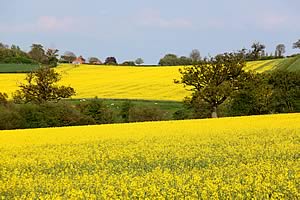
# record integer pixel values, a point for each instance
(149, 29)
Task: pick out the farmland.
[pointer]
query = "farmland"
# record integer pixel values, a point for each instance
(245, 157)
(151, 83)
(17, 68)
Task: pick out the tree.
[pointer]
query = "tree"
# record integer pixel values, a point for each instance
(128, 63)
(286, 90)
(94, 60)
(41, 87)
(139, 61)
(215, 80)
(258, 48)
(37, 53)
(255, 97)
(184, 61)
(280, 50)
(296, 45)
(4, 46)
(195, 55)
(52, 59)
(69, 56)
(111, 61)
(169, 60)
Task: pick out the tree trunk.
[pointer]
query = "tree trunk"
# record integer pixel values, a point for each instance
(214, 113)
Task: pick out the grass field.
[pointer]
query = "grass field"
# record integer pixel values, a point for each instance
(230, 158)
(17, 68)
(150, 83)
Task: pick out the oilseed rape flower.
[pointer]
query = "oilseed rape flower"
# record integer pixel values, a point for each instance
(231, 158)
(152, 83)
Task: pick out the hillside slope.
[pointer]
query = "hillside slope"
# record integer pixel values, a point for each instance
(245, 157)
(151, 83)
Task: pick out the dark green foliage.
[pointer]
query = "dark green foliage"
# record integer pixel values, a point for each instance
(286, 90)
(10, 118)
(52, 57)
(253, 99)
(173, 60)
(41, 87)
(97, 110)
(110, 61)
(125, 109)
(14, 55)
(141, 114)
(214, 80)
(37, 53)
(128, 63)
(181, 114)
(3, 98)
(23, 116)
(277, 92)
(51, 115)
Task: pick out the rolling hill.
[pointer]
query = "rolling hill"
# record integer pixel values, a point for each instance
(119, 82)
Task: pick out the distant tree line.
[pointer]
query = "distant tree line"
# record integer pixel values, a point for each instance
(256, 52)
(37, 55)
(49, 57)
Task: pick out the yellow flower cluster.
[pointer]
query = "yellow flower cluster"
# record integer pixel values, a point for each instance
(231, 158)
(153, 83)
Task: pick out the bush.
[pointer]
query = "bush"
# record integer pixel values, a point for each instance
(51, 115)
(110, 61)
(10, 118)
(128, 63)
(97, 111)
(3, 98)
(181, 114)
(141, 114)
(125, 109)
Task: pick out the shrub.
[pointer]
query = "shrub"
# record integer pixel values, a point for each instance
(10, 118)
(125, 109)
(181, 114)
(110, 61)
(3, 98)
(141, 114)
(97, 111)
(51, 115)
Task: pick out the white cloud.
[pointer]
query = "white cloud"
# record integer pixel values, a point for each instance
(276, 21)
(151, 18)
(51, 23)
(43, 24)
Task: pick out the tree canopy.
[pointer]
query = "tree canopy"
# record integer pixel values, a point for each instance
(68, 56)
(296, 45)
(214, 80)
(139, 61)
(41, 86)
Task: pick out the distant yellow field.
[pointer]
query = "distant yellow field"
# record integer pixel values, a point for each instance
(154, 83)
(113, 82)
(231, 158)
(263, 65)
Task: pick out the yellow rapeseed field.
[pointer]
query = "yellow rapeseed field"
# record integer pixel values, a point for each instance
(156, 83)
(153, 83)
(231, 158)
